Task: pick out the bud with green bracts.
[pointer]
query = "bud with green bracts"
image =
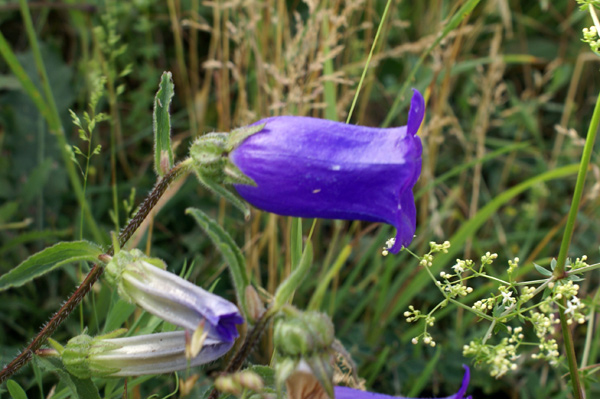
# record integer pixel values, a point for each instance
(303, 346)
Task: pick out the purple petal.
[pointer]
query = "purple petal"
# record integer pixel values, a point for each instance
(316, 168)
(349, 393)
(416, 113)
(182, 303)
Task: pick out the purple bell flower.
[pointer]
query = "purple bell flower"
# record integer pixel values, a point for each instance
(316, 168)
(349, 393)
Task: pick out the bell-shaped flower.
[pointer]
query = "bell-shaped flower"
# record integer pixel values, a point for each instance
(309, 167)
(106, 356)
(349, 393)
(143, 281)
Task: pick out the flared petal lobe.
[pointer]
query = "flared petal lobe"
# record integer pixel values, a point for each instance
(349, 393)
(309, 167)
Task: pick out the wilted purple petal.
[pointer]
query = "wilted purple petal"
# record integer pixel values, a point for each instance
(349, 393)
(308, 167)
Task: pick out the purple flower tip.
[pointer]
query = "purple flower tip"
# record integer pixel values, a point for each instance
(316, 168)
(349, 393)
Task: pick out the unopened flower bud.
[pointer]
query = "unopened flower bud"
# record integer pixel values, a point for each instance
(107, 356)
(254, 304)
(306, 333)
(143, 281)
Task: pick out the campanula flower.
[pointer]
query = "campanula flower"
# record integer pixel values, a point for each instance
(143, 281)
(107, 356)
(349, 393)
(309, 167)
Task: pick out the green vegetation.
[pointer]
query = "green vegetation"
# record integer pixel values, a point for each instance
(510, 88)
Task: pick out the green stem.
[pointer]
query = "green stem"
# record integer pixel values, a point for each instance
(559, 270)
(366, 68)
(578, 390)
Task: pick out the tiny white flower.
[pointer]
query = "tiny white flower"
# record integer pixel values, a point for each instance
(506, 297)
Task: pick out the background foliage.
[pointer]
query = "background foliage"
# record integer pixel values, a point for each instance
(512, 80)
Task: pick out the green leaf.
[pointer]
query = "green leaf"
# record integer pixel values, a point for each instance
(542, 271)
(295, 241)
(7, 210)
(163, 152)
(49, 259)
(15, 390)
(289, 286)
(230, 251)
(81, 388)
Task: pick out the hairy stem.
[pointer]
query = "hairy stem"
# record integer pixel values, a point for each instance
(159, 189)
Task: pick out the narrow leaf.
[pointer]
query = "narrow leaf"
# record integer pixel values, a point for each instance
(287, 289)
(49, 259)
(230, 251)
(542, 271)
(163, 152)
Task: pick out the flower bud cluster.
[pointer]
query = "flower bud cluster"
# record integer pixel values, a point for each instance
(526, 293)
(303, 343)
(579, 263)
(512, 265)
(240, 382)
(499, 358)
(488, 258)
(443, 247)
(590, 36)
(484, 305)
(565, 289)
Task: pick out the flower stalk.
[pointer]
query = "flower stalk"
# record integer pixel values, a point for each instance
(559, 270)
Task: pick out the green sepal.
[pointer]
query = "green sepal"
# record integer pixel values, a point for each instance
(223, 192)
(78, 356)
(123, 260)
(238, 136)
(284, 368)
(320, 364)
(209, 149)
(233, 175)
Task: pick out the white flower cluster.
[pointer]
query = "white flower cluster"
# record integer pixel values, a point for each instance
(503, 306)
(548, 351)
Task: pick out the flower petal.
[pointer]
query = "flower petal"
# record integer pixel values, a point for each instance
(349, 393)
